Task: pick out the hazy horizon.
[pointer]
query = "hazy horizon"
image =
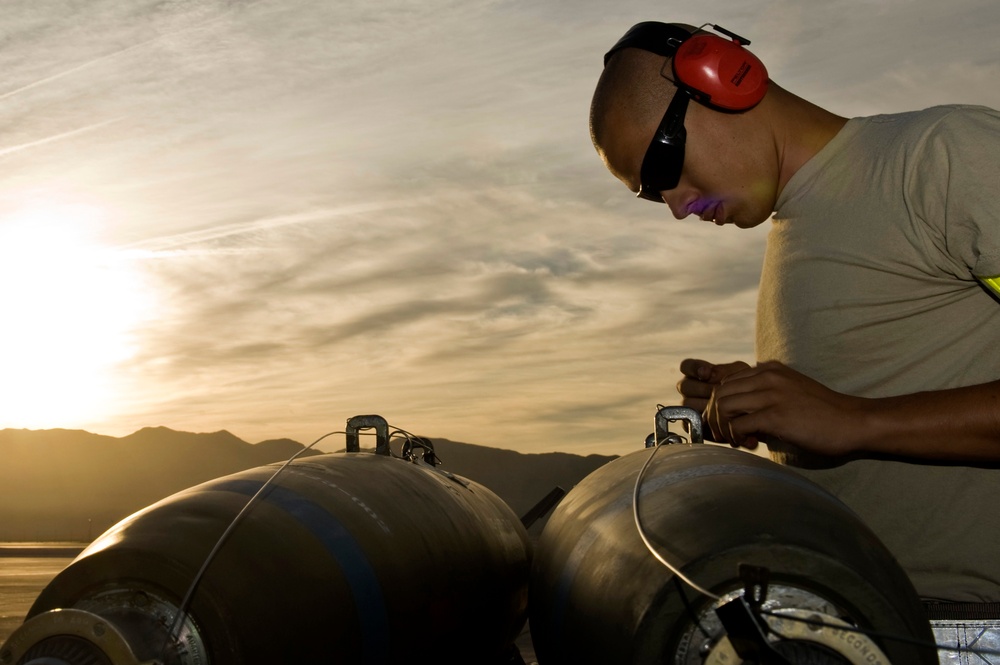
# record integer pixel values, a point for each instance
(267, 217)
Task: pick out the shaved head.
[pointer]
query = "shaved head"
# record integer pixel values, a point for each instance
(629, 101)
(631, 98)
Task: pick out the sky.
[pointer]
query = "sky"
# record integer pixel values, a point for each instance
(269, 216)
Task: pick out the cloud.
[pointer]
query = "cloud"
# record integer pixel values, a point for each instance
(491, 290)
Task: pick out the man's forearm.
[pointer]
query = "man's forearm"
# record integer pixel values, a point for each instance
(957, 424)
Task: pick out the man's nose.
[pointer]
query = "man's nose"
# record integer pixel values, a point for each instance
(674, 202)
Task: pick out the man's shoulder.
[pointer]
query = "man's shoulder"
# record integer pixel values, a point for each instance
(932, 113)
(945, 117)
(951, 128)
(974, 124)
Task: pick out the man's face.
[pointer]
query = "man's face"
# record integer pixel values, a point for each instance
(730, 172)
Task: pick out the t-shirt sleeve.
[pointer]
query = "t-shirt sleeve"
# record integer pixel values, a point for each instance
(958, 173)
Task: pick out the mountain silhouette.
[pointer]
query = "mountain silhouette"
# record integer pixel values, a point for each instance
(72, 485)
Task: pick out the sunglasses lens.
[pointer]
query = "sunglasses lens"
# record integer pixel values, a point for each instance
(661, 170)
(664, 159)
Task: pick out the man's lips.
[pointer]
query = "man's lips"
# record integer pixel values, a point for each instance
(713, 213)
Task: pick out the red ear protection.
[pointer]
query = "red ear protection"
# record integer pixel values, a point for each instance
(720, 72)
(715, 71)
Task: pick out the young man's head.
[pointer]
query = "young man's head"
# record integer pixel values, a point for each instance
(717, 158)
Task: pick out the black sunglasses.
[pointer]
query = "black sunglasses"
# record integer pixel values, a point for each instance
(661, 167)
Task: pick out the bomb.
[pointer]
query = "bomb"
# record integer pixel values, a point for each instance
(756, 549)
(353, 557)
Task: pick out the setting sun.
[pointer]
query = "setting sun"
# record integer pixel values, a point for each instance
(69, 306)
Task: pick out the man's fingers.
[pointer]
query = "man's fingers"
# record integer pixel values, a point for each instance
(748, 442)
(702, 370)
(693, 388)
(733, 415)
(697, 404)
(720, 372)
(745, 429)
(697, 369)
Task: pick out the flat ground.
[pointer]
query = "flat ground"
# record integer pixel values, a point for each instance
(21, 580)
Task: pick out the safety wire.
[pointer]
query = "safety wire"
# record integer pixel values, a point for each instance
(182, 612)
(414, 440)
(812, 622)
(174, 633)
(646, 541)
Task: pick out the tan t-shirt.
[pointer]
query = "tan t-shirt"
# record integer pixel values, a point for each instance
(868, 287)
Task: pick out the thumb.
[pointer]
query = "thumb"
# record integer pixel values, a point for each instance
(694, 368)
(720, 372)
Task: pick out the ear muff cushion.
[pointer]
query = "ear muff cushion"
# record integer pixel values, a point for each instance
(720, 72)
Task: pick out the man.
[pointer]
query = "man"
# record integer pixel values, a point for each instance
(878, 360)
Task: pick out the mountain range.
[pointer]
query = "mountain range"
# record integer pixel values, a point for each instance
(72, 485)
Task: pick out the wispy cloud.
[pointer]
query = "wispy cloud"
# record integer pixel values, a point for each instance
(61, 136)
(236, 230)
(80, 69)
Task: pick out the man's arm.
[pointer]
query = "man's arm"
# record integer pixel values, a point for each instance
(772, 400)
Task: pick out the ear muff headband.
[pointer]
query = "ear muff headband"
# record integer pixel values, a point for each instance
(653, 36)
(717, 72)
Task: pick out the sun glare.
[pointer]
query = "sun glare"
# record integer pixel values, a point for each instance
(68, 306)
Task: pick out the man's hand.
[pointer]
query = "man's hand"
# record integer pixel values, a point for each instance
(771, 401)
(774, 401)
(741, 404)
(700, 380)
